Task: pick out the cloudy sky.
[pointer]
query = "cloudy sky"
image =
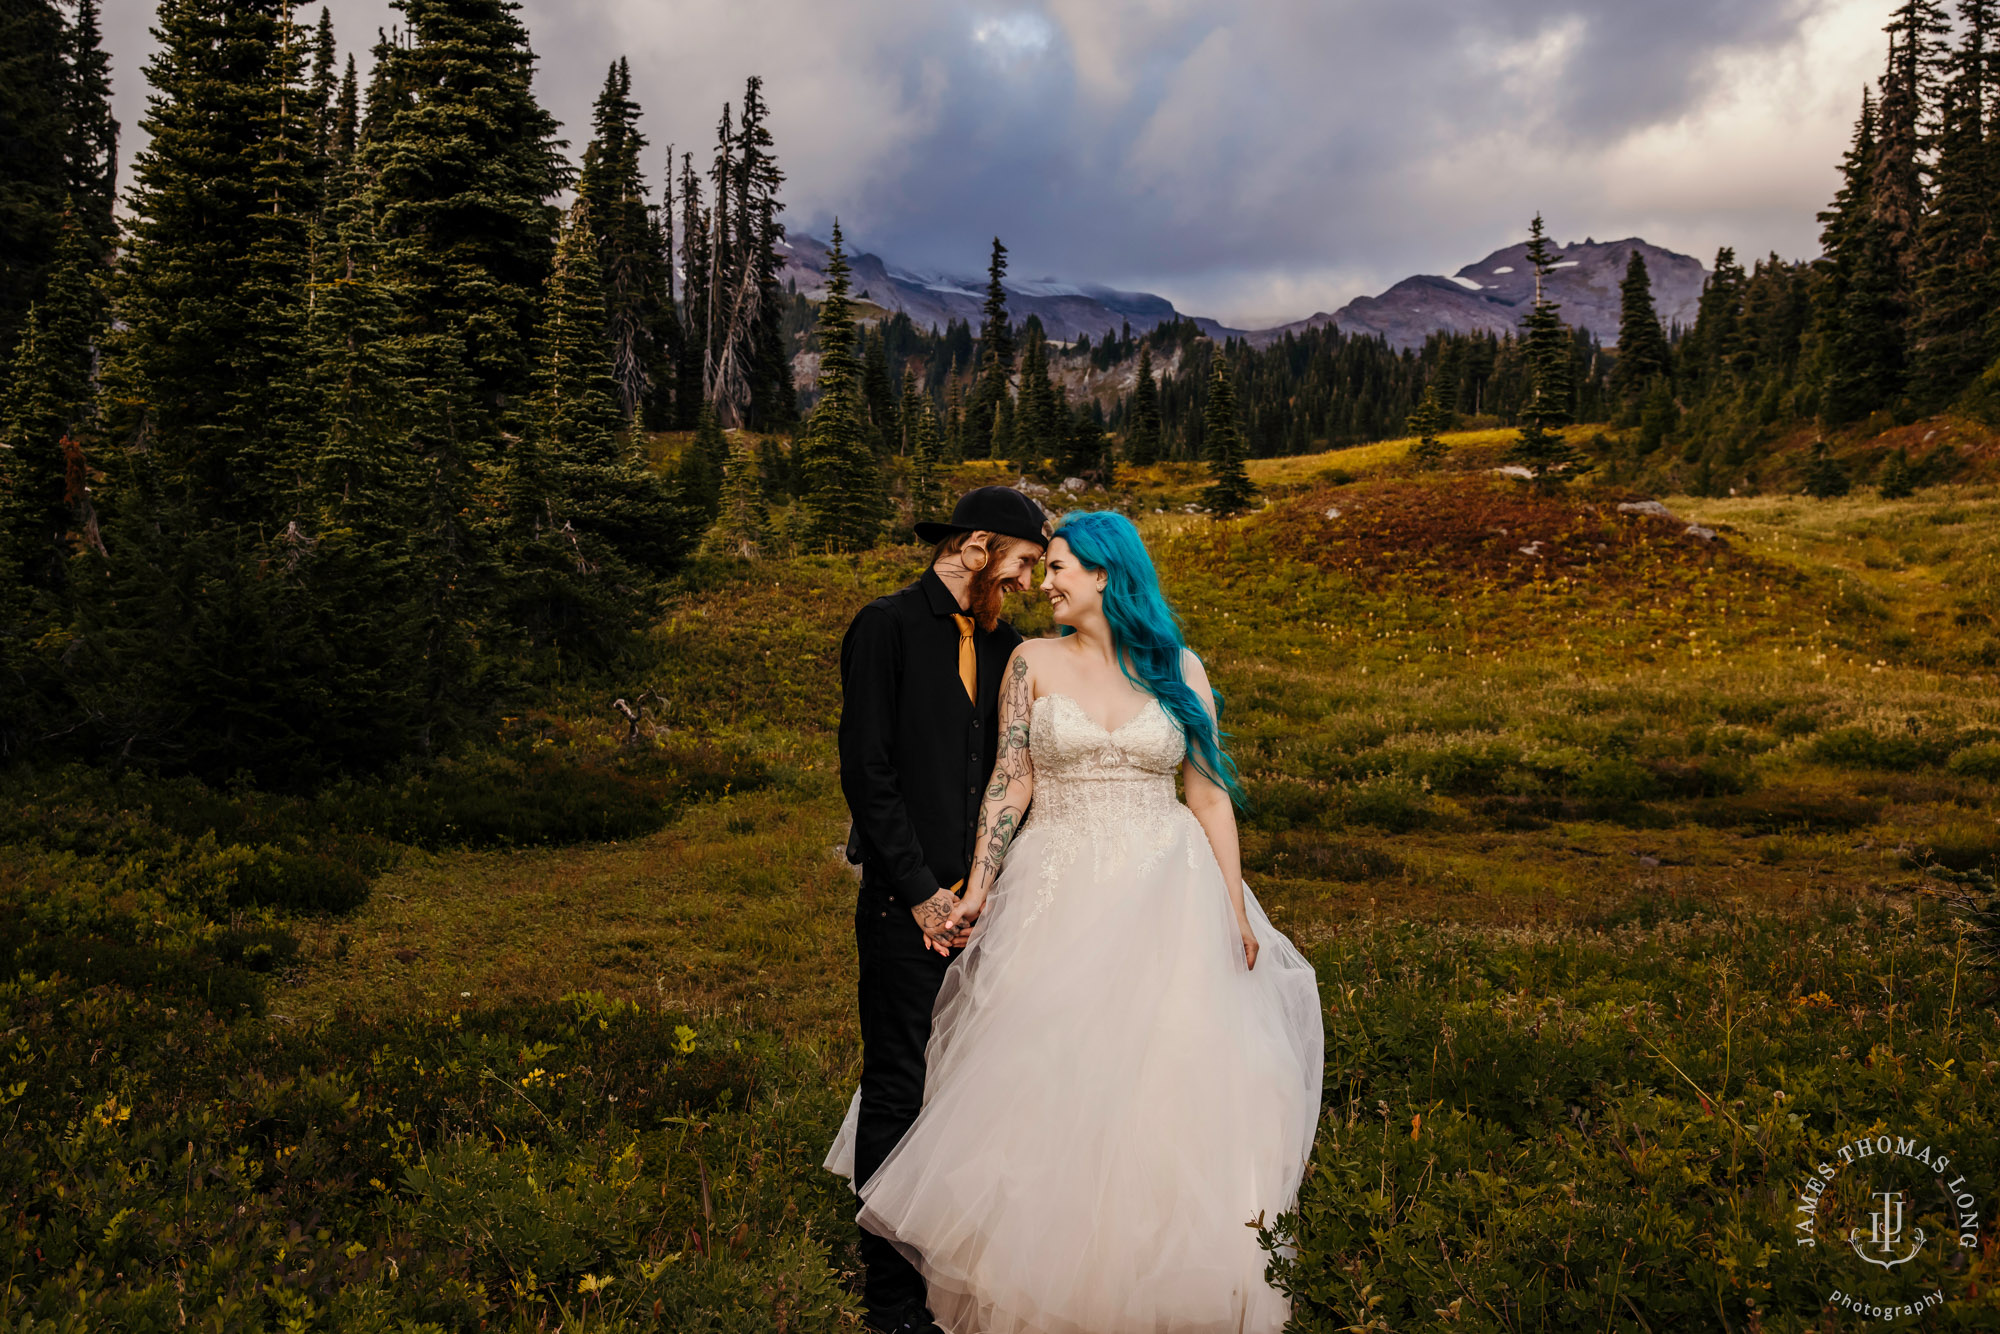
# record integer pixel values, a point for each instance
(1254, 160)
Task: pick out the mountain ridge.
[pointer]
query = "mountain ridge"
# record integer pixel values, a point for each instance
(1490, 295)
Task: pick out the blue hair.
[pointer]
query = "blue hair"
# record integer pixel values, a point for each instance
(1146, 631)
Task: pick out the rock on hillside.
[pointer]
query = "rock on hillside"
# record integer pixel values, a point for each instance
(1493, 295)
(1065, 309)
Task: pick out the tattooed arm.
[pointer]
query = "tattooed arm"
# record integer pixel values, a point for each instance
(1008, 792)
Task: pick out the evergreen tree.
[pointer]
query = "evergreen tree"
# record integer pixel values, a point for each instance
(1142, 432)
(638, 297)
(1086, 450)
(1541, 447)
(996, 365)
(1427, 423)
(34, 130)
(91, 154)
(954, 428)
(907, 414)
(700, 474)
(878, 395)
(689, 392)
(1825, 478)
(1898, 480)
(43, 420)
(1642, 343)
(1897, 195)
(743, 525)
(211, 284)
(586, 518)
(466, 168)
(840, 480)
(928, 501)
(1230, 488)
(773, 401)
(1956, 238)
(1040, 428)
(1858, 318)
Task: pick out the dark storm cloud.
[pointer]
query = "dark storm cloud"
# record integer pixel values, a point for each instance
(1253, 160)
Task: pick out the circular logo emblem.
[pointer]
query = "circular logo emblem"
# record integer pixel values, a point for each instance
(1894, 1219)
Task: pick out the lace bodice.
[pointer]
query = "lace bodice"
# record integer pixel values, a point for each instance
(1109, 792)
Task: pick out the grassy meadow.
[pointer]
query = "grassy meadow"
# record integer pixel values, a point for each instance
(1627, 861)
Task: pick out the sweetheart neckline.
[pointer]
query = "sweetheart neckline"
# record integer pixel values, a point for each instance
(1107, 731)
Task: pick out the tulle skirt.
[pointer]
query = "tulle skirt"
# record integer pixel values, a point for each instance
(1112, 1102)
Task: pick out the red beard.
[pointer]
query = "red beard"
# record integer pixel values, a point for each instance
(984, 595)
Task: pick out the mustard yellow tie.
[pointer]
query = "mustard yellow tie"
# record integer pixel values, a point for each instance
(968, 662)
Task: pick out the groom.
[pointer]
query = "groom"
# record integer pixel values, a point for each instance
(919, 719)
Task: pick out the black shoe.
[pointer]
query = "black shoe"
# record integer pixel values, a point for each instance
(907, 1318)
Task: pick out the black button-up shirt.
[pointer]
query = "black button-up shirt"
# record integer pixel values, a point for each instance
(915, 753)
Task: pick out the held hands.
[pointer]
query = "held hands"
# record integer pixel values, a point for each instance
(945, 920)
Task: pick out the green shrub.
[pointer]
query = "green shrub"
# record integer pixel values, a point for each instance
(1977, 761)
(1394, 804)
(1860, 748)
(1779, 809)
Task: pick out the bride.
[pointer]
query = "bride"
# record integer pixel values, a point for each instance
(1123, 1075)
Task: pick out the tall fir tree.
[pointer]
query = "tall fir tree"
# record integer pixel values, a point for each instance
(1041, 427)
(840, 480)
(1958, 238)
(743, 525)
(638, 300)
(91, 154)
(990, 393)
(700, 472)
(34, 172)
(1230, 488)
(878, 395)
(771, 399)
(928, 501)
(1643, 355)
(44, 420)
(1859, 317)
(689, 391)
(1428, 422)
(211, 285)
(1142, 431)
(1540, 446)
(465, 175)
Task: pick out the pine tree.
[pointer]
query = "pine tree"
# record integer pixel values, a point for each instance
(1898, 481)
(773, 402)
(1427, 422)
(1230, 488)
(91, 155)
(1825, 478)
(1040, 428)
(1642, 344)
(840, 481)
(954, 428)
(466, 169)
(43, 421)
(1086, 451)
(211, 285)
(1956, 238)
(908, 411)
(689, 392)
(34, 128)
(878, 392)
(585, 516)
(743, 525)
(1142, 432)
(1897, 194)
(700, 474)
(996, 364)
(638, 300)
(927, 467)
(1541, 447)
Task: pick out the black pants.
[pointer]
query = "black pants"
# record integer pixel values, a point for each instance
(899, 984)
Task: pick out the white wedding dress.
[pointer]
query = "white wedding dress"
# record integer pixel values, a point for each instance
(1112, 1098)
